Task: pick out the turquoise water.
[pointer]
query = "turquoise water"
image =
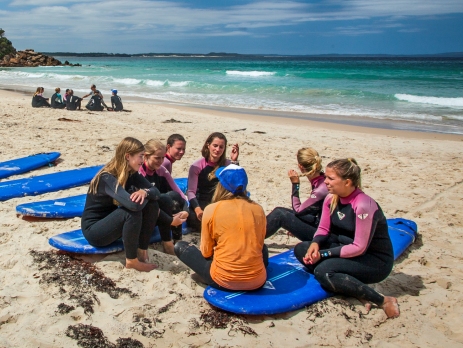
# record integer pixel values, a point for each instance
(425, 91)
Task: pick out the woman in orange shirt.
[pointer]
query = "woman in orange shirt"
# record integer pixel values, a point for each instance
(233, 254)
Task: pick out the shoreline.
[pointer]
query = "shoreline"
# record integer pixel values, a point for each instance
(366, 125)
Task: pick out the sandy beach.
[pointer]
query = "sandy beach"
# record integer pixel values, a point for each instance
(413, 175)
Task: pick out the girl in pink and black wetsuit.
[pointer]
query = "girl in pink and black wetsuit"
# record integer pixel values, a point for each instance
(302, 220)
(175, 149)
(173, 203)
(201, 177)
(351, 247)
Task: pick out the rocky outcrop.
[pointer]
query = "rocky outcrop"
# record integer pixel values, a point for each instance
(31, 58)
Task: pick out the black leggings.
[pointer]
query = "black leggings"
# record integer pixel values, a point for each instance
(287, 218)
(348, 276)
(191, 256)
(135, 228)
(170, 203)
(192, 220)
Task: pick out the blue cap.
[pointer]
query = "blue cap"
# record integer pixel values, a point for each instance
(233, 178)
(114, 91)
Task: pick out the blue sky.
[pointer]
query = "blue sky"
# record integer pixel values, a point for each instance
(240, 26)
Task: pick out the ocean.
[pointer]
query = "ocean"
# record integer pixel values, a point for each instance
(426, 93)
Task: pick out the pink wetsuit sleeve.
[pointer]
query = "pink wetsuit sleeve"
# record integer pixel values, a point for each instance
(325, 222)
(317, 194)
(165, 173)
(365, 225)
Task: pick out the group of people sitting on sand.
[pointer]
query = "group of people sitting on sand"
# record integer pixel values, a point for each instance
(344, 235)
(72, 102)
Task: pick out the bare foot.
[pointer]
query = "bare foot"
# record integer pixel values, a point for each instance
(391, 307)
(367, 305)
(168, 247)
(142, 255)
(139, 266)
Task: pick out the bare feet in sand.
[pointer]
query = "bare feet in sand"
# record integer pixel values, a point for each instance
(391, 307)
(168, 247)
(142, 256)
(139, 266)
(367, 305)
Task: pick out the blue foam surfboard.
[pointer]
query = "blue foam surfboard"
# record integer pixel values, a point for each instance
(26, 164)
(47, 183)
(75, 242)
(289, 286)
(69, 207)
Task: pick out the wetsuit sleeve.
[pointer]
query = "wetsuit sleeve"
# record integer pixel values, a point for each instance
(119, 193)
(142, 183)
(193, 175)
(170, 181)
(167, 164)
(317, 194)
(323, 230)
(365, 226)
(207, 240)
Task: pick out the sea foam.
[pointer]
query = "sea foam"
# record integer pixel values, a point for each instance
(250, 73)
(448, 102)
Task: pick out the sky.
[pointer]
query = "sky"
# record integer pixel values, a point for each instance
(235, 26)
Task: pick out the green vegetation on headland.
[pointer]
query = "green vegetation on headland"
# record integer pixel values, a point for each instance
(6, 47)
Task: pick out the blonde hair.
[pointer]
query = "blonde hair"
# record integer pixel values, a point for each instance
(38, 91)
(118, 166)
(152, 146)
(222, 194)
(310, 160)
(57, 89)
(346, 169)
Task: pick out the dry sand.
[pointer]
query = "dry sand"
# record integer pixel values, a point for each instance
(412, 175)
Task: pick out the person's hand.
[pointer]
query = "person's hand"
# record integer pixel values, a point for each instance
(182, 215)
(139, 196)
(235, 152)
(293, 176)
(199, 213)
(177, 220)
(313, 254)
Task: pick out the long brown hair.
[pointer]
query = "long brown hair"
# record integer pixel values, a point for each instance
(206, 153)
(118, 165)
(346, 169)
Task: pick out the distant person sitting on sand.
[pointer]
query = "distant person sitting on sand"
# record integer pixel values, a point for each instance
(175, 149)
(122, 203)
(38, 100)
(56, 100)
(65, 96)
(95, 102)
(352, 246)
(303, 219)
(201, 176)
(116, 101)
(92, 93)
(173, 202)
(233, 254)
(73, 102)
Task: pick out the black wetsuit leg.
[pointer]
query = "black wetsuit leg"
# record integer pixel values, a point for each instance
(165, 217)
(348, 276)
(178, 203)
(191, 256)
(135, 228)
(287, 219)
(192, 220)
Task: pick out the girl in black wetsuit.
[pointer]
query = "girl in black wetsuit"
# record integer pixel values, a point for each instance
(201, 177)
(351, 247)
(122, 203)
(38, 100)
(301, 221)
(172, 202)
